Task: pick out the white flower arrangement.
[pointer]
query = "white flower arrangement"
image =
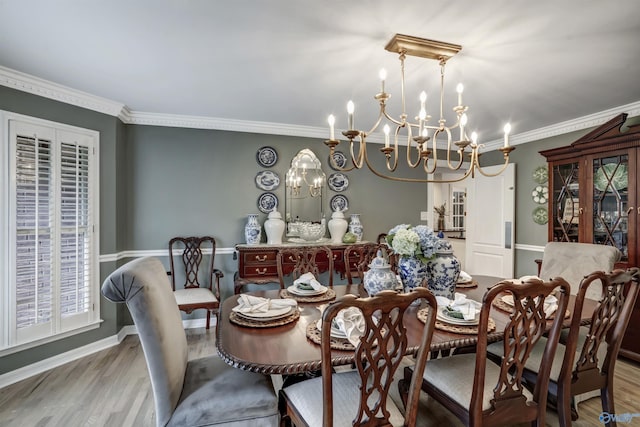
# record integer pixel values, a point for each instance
(419, 241)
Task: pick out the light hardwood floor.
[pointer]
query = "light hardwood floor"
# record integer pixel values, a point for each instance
(111, 388)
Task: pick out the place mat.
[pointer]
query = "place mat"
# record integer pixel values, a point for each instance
(471, 284)
(458, 329)
(243, 321)
(314, 334)
(329, 295)
(501, 305)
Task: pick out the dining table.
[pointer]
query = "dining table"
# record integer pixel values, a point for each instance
(286, 349)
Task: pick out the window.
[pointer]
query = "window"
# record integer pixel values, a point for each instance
(458, 210)
(50, 185)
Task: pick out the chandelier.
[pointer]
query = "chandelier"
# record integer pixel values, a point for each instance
(421, 136)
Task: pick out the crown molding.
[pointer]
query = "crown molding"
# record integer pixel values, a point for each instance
(46, 89)
(580, 123)
(37, 86)
(218, 123)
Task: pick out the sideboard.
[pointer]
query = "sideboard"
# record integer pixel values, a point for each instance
(257, 263)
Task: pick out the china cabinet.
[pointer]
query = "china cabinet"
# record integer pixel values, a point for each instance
(595, 198)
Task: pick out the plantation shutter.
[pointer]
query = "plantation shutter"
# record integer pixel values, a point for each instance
(33, 239)
(54, 265)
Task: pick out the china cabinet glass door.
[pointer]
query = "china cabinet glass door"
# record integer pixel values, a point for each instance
(566, 202)
(610, 202)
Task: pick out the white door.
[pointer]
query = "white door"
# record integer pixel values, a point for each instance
(490, 224)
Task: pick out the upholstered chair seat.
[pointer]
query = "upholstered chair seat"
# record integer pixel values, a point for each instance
(460, 371)
(345, 400)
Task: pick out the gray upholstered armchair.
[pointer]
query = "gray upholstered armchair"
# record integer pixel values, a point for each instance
(574, 261)
(201, 392)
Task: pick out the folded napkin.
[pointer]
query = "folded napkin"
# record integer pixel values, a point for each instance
(550, 305)
(308, 279)
(523, 279)
(468, 307)
(464, 277)
(350, 321)
(252, 304)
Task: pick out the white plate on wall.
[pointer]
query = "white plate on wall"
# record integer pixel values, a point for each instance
(339, 158)
(339, 203)
(338, 181)
(267, 202)
(267, 180)
(267, 156)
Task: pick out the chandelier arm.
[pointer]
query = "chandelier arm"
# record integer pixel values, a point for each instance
(414, 180)
(358, 160)
(490, 175)
(425, 166)
(332, 149)
(410, 148)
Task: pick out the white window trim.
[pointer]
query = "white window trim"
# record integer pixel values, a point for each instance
(93, 320)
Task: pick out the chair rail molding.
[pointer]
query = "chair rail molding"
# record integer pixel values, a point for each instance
(156, 253)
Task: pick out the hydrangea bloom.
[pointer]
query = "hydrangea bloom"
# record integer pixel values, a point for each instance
(419, 241)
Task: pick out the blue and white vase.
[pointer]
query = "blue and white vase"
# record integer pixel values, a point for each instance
(355, 226)
(379, 276)
(443, 270)
(412, 272)
(252, 230)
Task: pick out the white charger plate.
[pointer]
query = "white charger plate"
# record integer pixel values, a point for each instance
(293, 289)
(455, 321)
(275, 313)
(336, 333)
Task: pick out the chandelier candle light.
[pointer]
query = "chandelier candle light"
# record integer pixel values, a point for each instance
(418, 150)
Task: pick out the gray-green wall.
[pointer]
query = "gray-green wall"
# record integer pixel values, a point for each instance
(159, 182)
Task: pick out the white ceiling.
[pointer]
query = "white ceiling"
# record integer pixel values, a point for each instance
(533, 63)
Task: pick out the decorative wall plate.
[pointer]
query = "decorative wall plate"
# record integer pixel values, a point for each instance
(541, 174)
(339, 203)
(267, 180)
(540, 194)
(266, 157)
(540, 215)
(619, 177)
(338, 181)
(267, 202)
(339, 158)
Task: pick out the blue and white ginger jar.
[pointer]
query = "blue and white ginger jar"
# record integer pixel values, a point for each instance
(252, 230)
(379, 277)
(412, 272)
(443, 270)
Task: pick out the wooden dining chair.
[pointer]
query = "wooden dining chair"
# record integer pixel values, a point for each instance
(358, 257)
(293, 262)
(201, 289)
(197, 392)
(587, 360)
(482, 393)
(360, 396)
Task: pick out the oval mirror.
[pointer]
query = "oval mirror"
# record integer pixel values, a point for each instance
(304, 191)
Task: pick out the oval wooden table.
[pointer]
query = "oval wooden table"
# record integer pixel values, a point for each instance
(287, 350)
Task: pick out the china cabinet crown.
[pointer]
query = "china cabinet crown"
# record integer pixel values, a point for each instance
(595, 198)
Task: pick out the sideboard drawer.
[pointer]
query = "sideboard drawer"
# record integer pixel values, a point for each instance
(259, 271)
(259, 258)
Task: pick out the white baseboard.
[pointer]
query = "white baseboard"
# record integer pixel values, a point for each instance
(77, 353)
